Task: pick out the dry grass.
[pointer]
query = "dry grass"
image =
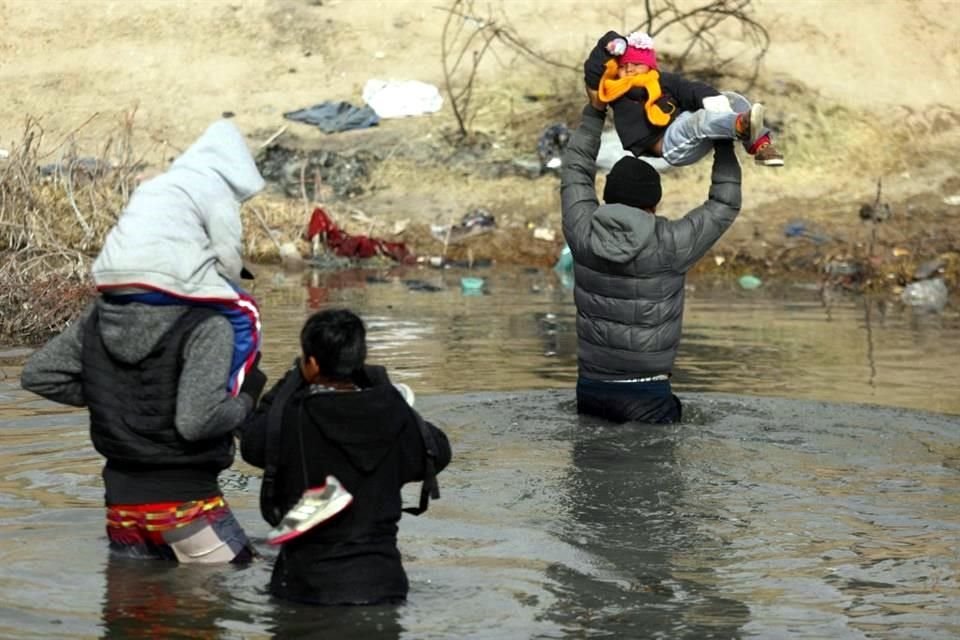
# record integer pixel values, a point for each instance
(57, 201)
(272, 221)
(41, 294)
(56, 207)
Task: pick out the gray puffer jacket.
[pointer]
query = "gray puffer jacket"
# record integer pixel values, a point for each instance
(630, 265)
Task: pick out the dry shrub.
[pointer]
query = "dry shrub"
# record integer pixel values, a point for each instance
(836, 138)
(269, 222)
(42, 292)
(56, 207)
(58, 199)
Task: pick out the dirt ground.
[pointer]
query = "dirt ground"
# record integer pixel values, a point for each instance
(857, 91)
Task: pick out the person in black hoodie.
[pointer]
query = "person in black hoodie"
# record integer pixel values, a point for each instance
(332, 415)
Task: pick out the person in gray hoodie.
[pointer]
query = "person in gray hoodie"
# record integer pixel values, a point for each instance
(154, 373)
(630, 267)
(179, 240)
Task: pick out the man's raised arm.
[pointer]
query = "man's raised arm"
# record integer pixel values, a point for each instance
(696, 232)
(578, 193)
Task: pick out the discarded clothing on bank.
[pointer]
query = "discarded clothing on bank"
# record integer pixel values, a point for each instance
(550, 146)
(930, 295)
(929, 269)
(350, 246)
(401, 98)
(798, 229)
(611, 150)
(332, 117)
(474, 222)
(77, 167)
(420, 285)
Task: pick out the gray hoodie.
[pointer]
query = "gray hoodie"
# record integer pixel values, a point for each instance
(129, 332)
(181, 231)
(630, 265)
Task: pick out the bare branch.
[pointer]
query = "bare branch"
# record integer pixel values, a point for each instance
(700, 24)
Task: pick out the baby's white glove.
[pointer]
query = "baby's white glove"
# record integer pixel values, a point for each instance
(718, 104)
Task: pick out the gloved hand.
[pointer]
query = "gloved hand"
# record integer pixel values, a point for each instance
(255, 381)
(593, 66)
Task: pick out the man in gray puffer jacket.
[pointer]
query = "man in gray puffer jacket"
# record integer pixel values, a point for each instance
(629, 270)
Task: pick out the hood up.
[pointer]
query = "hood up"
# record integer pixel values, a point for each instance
(131, 331)
(181, 231)
(363, 424)
(618, 233)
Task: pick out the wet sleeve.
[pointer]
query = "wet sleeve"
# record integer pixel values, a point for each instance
(253, 431)
(692, 236)
(54, 371)
(578, 192)
(204, 408)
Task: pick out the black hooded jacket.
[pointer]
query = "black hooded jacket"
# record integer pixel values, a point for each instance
(369, 439)
(635, 130)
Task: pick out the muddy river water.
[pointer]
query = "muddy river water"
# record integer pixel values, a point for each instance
(812, 491)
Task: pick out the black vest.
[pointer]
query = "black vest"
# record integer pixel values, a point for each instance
(133, 406)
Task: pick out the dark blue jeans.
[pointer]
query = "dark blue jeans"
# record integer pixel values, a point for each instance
(650, 402)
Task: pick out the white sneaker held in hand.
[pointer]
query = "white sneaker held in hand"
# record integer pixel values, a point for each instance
(317, 505)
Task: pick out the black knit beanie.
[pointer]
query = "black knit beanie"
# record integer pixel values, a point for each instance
(634, 183)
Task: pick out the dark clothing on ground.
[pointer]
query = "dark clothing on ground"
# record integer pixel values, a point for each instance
(332, 117)
(650, 402)
(630, 265)
(159, 409)
(370, 441)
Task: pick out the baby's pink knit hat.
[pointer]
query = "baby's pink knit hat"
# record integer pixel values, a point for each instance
(639, 50)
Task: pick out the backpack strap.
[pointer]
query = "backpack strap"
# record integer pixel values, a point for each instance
(430, 488)
(268, 505)
(372, 375)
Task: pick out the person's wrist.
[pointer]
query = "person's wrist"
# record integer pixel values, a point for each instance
(593, 98)
(591, 110)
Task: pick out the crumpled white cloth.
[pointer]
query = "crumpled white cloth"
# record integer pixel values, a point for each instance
(401, 98)
(719, 104)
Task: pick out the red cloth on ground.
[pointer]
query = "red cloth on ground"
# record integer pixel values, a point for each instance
(344, 244)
